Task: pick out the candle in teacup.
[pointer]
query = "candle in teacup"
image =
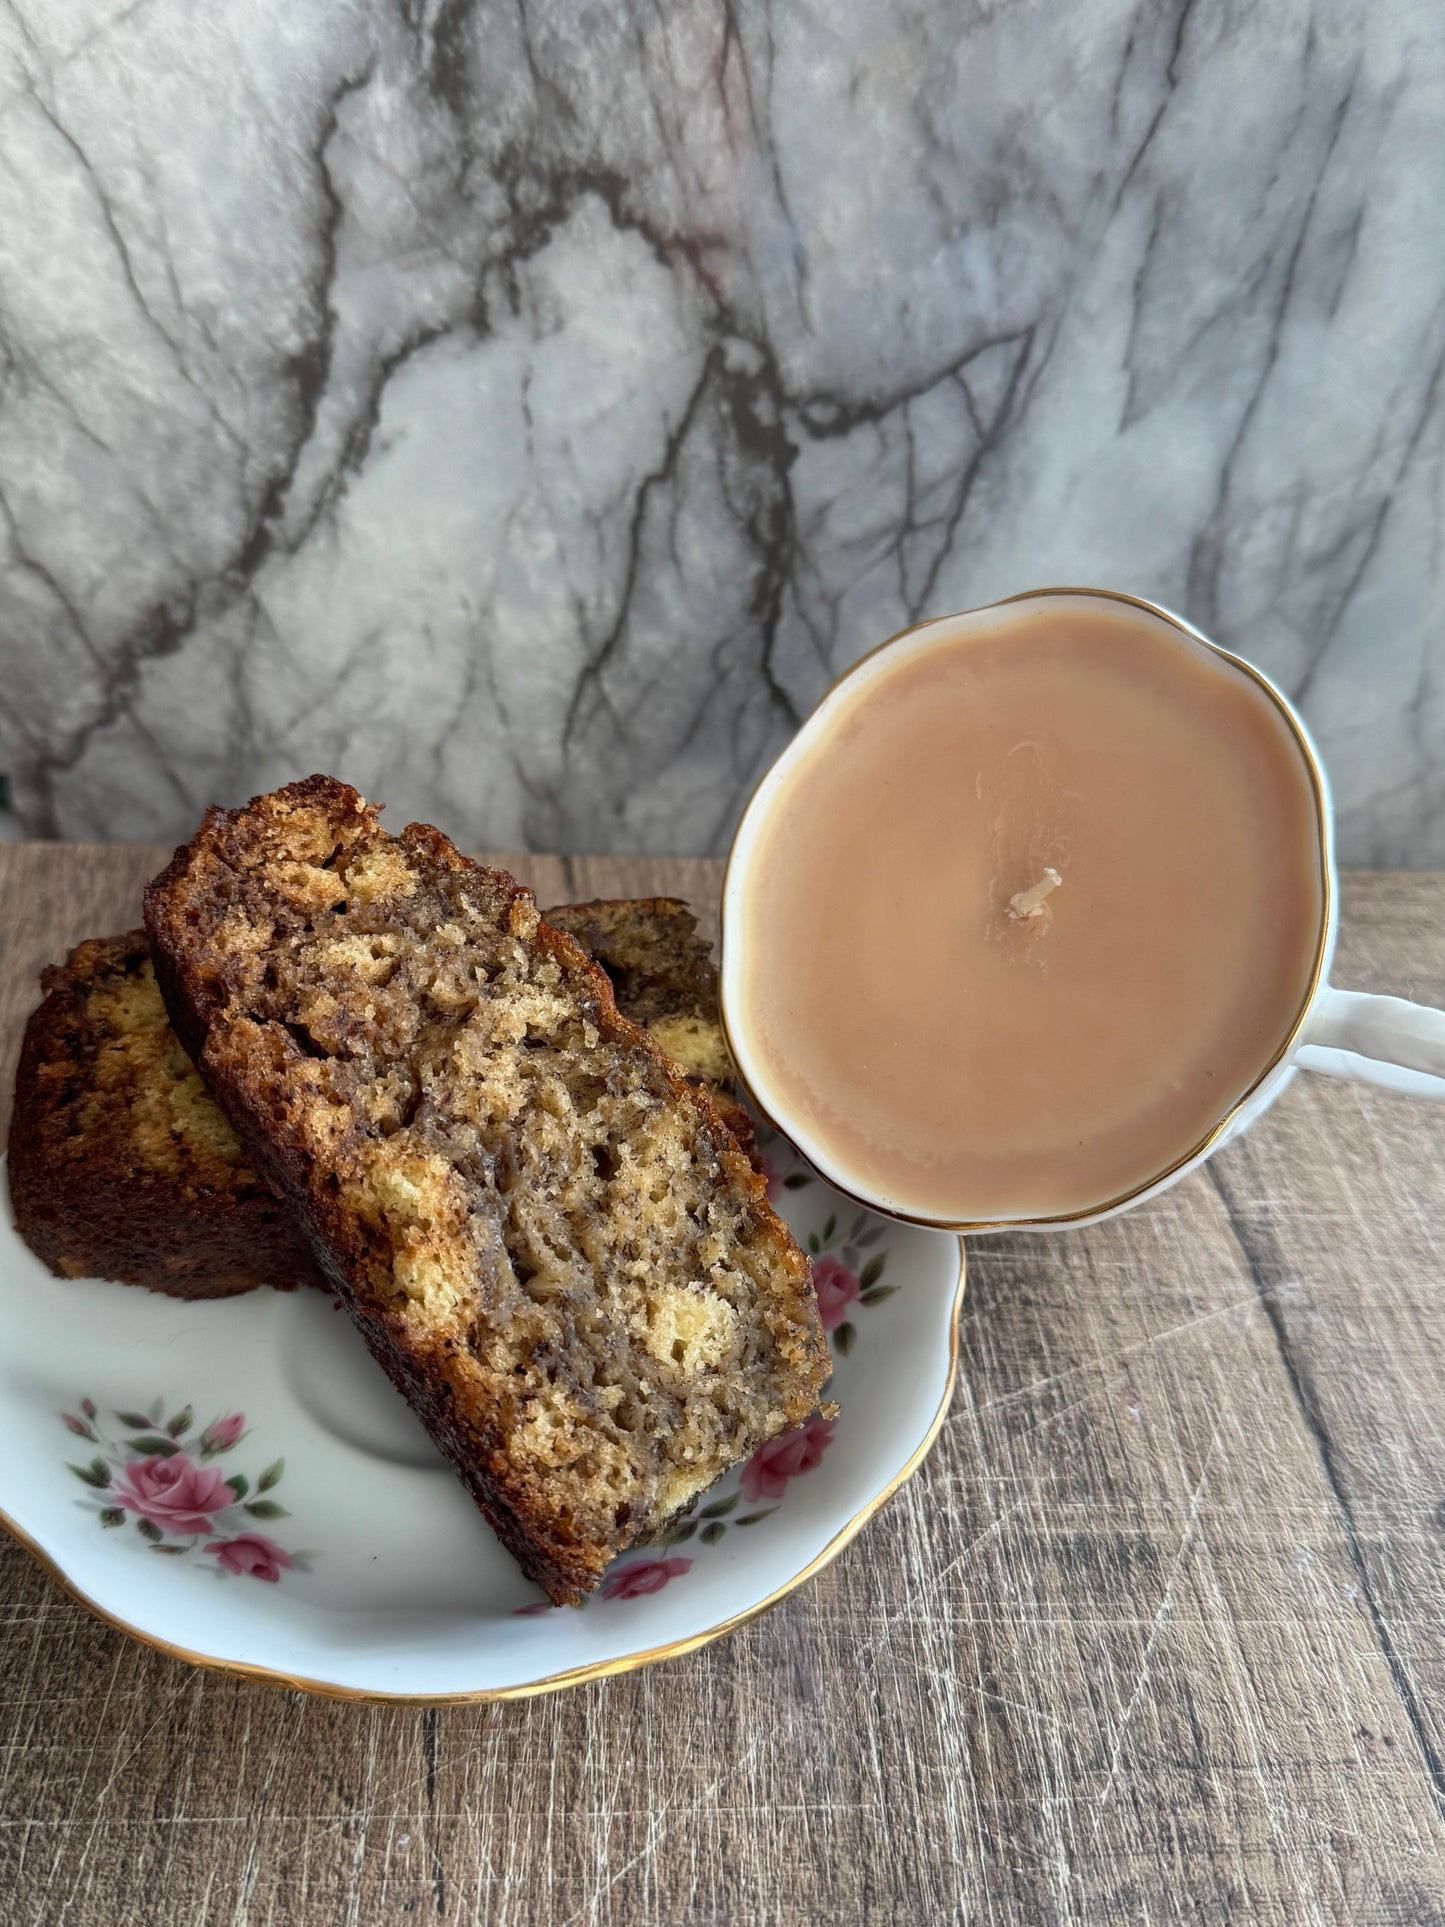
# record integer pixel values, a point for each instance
(1037, 901)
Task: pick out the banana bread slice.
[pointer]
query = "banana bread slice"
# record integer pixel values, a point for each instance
(123, 1167)
(547, 1237)
(663, 977)
(120, 1164)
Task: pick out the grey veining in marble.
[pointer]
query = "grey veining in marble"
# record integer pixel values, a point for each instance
(524, 410)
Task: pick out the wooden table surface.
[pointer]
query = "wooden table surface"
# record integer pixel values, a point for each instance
(1157, 1634)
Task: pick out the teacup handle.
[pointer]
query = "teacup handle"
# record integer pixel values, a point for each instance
(1379, 1040)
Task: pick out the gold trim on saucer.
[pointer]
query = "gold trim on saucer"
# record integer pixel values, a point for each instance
(1207, 1143)
(553, 1682)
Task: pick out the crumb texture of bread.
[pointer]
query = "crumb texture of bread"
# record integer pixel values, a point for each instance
(664, 978)
(121, 1165)
(548, 1238)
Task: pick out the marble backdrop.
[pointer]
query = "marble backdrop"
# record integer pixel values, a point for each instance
(524, 410)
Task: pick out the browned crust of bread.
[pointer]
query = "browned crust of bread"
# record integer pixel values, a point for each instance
(96, 1202)
(262, 1079)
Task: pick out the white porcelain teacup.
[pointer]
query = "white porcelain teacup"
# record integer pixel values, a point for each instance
(1380, 1040)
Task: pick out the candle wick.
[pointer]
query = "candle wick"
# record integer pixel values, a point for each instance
(1024, 904)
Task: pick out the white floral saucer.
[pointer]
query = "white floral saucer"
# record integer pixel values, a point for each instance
(236, 1484)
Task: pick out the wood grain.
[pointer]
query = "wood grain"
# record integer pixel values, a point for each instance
(1158, 1634)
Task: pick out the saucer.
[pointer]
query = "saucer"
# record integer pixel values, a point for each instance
(235, 1483)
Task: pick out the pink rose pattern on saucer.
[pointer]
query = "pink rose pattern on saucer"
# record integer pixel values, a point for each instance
(845, 1279)
(767, 1472)
(843, 1276)
(160, 1479)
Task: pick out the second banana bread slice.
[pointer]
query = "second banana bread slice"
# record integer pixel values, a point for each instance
(663, 977)
(547, 1238)
(120, 1164)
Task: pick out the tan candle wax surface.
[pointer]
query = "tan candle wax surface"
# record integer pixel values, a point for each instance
(970, 1048)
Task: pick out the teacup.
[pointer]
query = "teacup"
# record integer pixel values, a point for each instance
(1377, 1039)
